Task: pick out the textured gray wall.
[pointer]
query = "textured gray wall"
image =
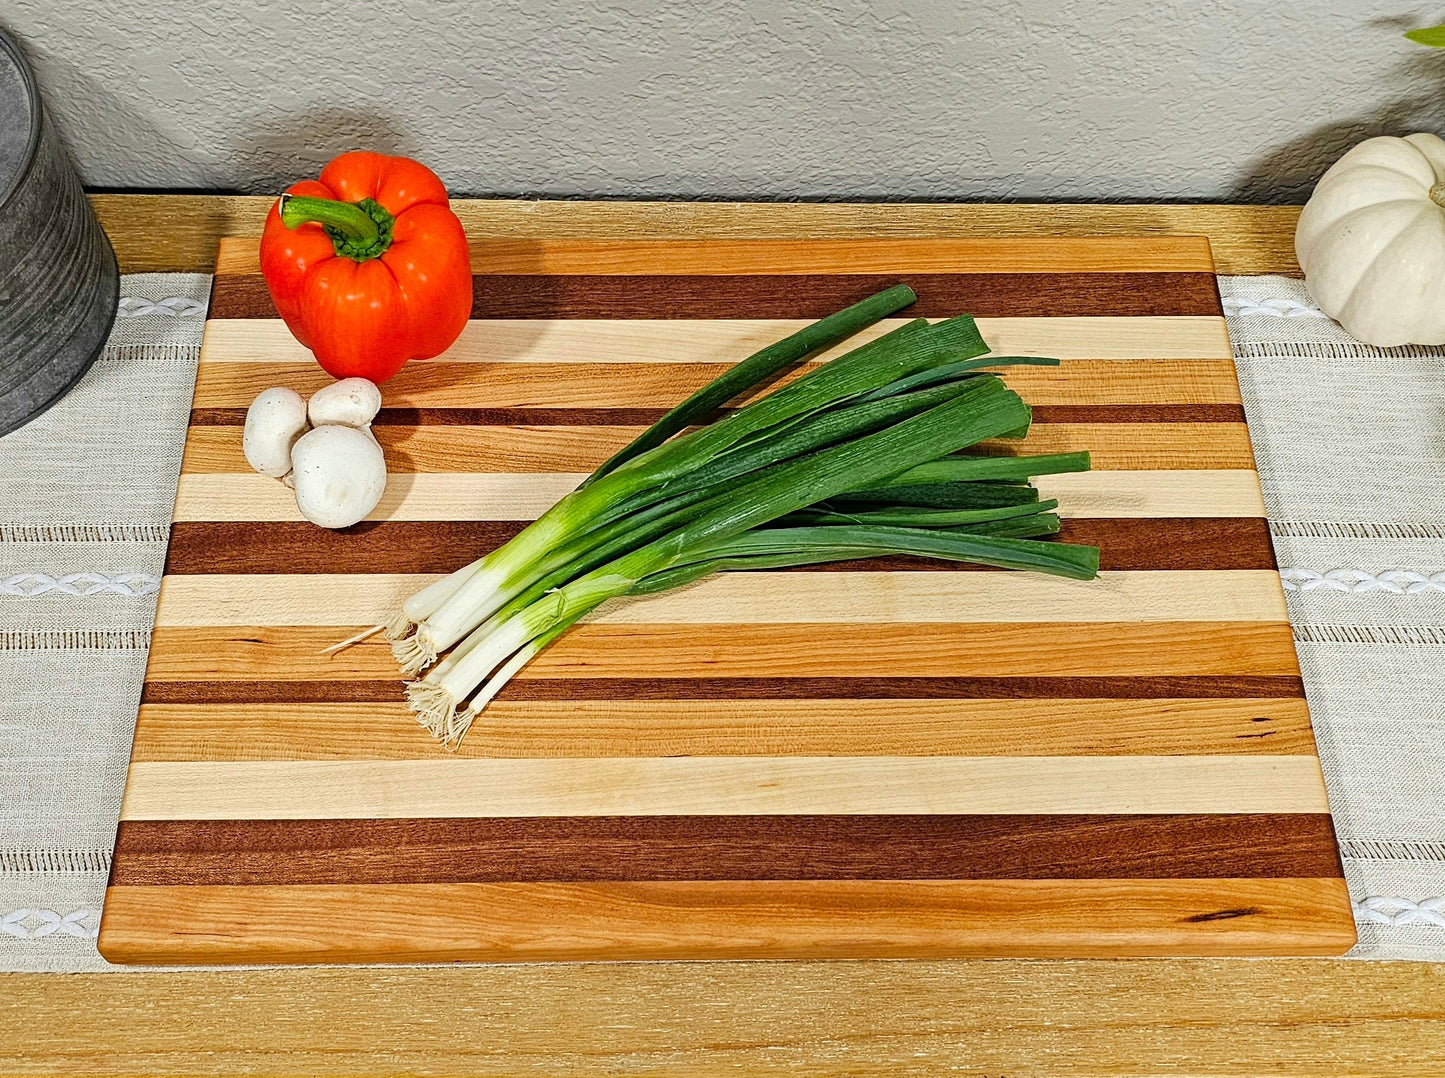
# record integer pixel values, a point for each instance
(1069, 99)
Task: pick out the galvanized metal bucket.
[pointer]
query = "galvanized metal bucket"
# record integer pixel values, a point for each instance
(59, 284)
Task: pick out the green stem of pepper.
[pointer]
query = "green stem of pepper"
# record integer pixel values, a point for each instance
(358, 230)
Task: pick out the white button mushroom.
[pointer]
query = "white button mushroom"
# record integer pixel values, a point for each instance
(339, 475)
(273, 423)
(352, 402)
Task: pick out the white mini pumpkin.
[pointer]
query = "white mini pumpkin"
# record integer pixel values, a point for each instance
(1371, 241)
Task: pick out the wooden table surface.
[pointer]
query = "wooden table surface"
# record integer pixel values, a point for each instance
(1215, 1017)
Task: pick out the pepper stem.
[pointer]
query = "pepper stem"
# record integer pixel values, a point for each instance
(358, 230)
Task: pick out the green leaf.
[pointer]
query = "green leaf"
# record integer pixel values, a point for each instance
(761, 366)
(1433, 36)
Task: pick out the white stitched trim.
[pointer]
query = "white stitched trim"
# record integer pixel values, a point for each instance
(74, 639)
(30, 585)
(26, 861)
(1330, 350)
(1348, 529)
(84, 533)
(37, 924)
(1385, 849)
(1397, 911)
(170, 307)
(1357, 581)
(1390, 635)
(1235, 306)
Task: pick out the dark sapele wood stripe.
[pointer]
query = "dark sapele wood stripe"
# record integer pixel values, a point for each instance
(940, 295)
(575, 849)
(643, 417)
(734, 688)
(414, 546)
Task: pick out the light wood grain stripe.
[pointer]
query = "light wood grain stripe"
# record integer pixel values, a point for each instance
(260, 853)
(440, 383)
(644, 296)
(518, 922)
(525, 496)
(824, 727)
(1055, 254)
(264, 653)
(462, 449)
(861, 598)
(721, 786)
(722, 341)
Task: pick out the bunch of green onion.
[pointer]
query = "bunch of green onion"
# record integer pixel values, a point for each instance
(859, 457)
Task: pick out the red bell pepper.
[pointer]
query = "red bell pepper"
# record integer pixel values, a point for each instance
(368, 265)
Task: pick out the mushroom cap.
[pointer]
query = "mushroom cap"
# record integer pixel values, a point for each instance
(340, 474)
(352, 402)
(274, 421)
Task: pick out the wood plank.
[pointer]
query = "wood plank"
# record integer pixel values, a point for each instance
(401, 546)
(442, 383)
(940, 295)
(643, 417)
(200, 690)
(266, 853)
(813, 919)
(523, 449)
(180, 233)
(525, 496)
(1289, 1018)
(652, 340)
(741, 598)
(720, 786)
(1133, 649)
(1054, 254)
(387, 730)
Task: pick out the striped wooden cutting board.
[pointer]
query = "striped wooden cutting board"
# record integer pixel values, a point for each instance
(884, 758)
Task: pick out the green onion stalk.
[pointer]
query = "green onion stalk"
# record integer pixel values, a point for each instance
(860, 457)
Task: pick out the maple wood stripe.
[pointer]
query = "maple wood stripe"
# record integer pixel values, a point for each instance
(156, 853)
(865, 597)
(1117, 254)
(1138, 493)
(644, 651)
(387, 730)
(160, 691)
(443, 383)
(802, 295)
(817, 919)
(649, 341)
(404, 546)
(722, 786)
(643, 417)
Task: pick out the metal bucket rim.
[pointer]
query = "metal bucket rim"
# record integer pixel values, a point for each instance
(32, 93)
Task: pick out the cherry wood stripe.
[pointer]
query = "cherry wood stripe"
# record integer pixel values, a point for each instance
(540, 450)
(199, 691)
(517, 922)
(1115, 254)
(642, 417)
(387, 730)
(803, 295)
(996, 650)
(442, 383)
(584, 849)
(403, 546)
